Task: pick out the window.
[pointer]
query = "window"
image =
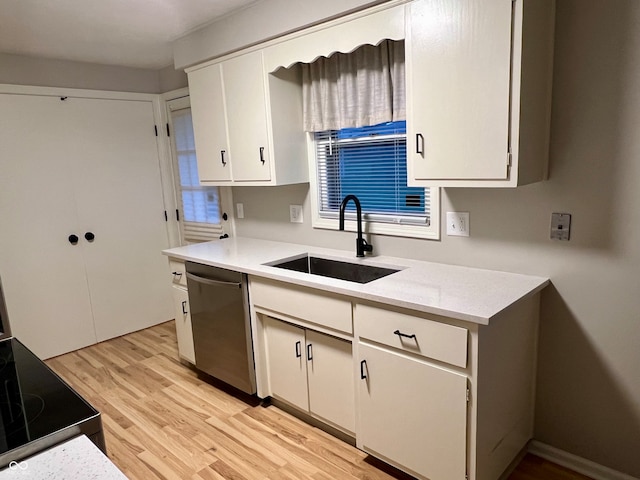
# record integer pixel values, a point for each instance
(199, 206)
(354, 111)
(370, 163)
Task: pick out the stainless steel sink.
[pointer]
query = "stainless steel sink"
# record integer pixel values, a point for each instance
(351, 272)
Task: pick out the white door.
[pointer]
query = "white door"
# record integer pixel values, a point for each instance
(245, 100)
(119, 200)
(42, 273)
(330, 375)
(209, 124)
(458, 74)
(286, 362)
(413, 413)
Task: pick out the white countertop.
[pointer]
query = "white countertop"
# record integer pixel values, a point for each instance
(464, 293)
(76, 459)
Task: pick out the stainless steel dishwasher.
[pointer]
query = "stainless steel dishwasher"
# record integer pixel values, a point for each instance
(219, 301)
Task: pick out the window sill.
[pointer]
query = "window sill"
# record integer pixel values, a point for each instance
(431, 232)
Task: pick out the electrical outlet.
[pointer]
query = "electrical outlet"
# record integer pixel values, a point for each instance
(458, 224)
(560, 226)
(295, 213)
(239, 210)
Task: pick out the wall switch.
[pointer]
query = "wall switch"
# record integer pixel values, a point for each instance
(458, 224)
(295, 213)
(239, 210)
(560, 226)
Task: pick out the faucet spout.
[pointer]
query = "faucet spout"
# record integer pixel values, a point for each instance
(361, 244)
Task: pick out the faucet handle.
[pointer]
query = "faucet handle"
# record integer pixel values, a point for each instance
(366, 247)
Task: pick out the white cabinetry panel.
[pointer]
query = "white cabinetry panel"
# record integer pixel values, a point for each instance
(413, 414)
(246, 102)
(458, 63)
(210, 126)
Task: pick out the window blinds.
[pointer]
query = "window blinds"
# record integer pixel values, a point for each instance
(369, 162)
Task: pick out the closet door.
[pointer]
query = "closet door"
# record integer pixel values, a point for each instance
(42, 273)
(116, 177)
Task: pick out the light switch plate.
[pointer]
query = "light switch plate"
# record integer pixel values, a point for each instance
(295, 213)
(458, 224)
(560, 226)
(239, 210)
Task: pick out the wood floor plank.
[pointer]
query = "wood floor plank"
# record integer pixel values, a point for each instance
(164, 421)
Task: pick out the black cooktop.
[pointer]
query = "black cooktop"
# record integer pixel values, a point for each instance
(37, 408)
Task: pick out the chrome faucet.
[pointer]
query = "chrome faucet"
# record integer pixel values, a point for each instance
(361, 244)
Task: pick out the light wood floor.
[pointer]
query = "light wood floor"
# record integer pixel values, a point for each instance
(162, 422)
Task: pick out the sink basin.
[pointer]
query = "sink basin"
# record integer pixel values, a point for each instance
(351, 272)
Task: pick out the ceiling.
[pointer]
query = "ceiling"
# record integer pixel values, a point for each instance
(133, 33)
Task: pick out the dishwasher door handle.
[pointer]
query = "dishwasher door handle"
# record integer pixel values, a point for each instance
(214, 283)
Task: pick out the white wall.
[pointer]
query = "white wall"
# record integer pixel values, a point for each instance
(588, 385)
(258, 22)
(23, 70)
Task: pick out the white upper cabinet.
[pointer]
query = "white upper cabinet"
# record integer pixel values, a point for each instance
(209, 123)
(478, 91)
(246, 102)
(240, 139)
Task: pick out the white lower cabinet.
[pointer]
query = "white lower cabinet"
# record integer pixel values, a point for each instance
(412, 414)
(183, 324)
(311, 371)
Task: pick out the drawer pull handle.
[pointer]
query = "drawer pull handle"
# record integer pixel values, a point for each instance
(309, 352)
(177, 274)
(298, 352)
(400, 334)
(363, 365)
(184, 307)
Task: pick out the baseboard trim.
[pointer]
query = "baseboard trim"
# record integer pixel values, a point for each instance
(576, 463)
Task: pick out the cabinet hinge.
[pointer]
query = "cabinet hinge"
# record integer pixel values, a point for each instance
(155, 128)
(168, 133)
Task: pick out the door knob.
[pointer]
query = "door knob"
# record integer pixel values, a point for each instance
(73, 239)
(89, 236)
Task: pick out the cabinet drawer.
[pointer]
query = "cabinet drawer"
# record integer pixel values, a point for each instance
(304, 303)
(446, 343)
(178, 273)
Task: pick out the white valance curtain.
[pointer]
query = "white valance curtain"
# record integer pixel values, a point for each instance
(364, 87)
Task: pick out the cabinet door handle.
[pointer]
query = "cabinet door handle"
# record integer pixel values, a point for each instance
(222, 152)
(419, 144)
(262, 155)
(177, 274)
(298, 349)
(309, 352)
(400, 334)
(363, 366)
(184, 307)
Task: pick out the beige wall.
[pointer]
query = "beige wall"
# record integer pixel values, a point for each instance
(23, 70)
(258, 22)
(588, 381)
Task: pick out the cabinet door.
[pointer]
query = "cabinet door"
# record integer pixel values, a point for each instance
(116, 175)
(42, 273)
(245, 100)
(209, 124)
(413, 414)
(330, 375)
(183, 324)
(286, 362)
(458, 80)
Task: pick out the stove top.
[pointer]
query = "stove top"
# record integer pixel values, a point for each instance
(37, 408)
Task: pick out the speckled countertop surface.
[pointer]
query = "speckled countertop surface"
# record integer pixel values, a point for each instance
(469, 294)
(76, 459)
